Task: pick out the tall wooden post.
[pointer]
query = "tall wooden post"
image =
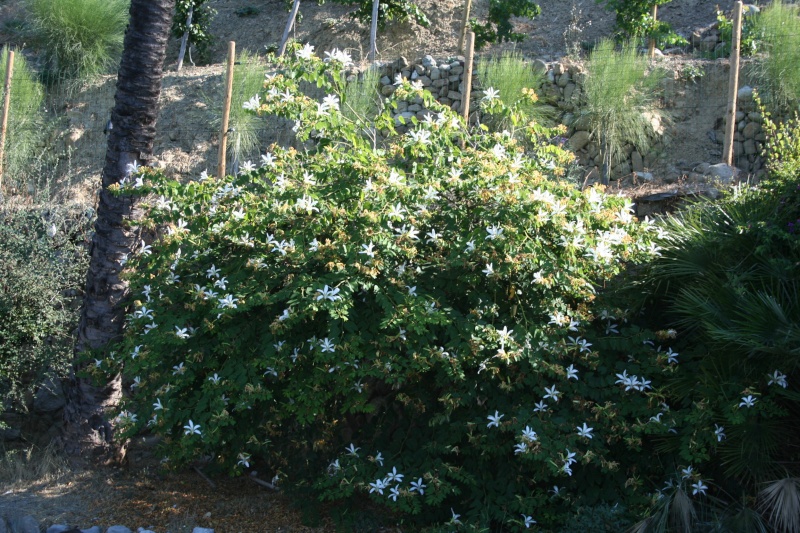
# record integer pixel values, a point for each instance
(651, 49)
(6, 107)
(373, 31)
(733, 85)
(464, 23)
(288, 28)
(185, 38)
(226, 112)
(468, 76)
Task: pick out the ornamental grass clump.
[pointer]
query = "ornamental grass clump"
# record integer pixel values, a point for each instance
(778, 70)
(415, 324)
(621, 101)
(25, 118)
(80, 38)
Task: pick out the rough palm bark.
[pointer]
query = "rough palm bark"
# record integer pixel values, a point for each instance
(130, 140)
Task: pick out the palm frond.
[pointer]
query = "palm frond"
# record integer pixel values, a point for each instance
(781, 500)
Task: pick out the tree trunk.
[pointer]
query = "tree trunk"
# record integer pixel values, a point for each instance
(288, 28)
(129, 141)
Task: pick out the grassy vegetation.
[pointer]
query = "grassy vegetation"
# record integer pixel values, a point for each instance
(248, 77)
(509, 74)
(25, 120)
(619, 96)
(79, 38)
(361, 97)
(778, 28)
(31, 464)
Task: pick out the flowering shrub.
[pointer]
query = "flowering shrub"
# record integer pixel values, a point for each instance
(412, 322)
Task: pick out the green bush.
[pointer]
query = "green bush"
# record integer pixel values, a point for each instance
(39, 275)
(388, 11)
(406, 324)
(200, 31)
(635, 21)
(498, 27)
(25, 118)
(727, 280)
(79, 38)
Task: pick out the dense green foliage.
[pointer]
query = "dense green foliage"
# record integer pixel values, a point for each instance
(498, 28)
(418, 322)
(200, 31)
(419, 309)
(42, 261)
(727, 279)
(79, 38)
(25, 118)
(635, 21)
(388, 11)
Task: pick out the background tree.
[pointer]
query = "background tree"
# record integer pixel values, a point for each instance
(130, 142)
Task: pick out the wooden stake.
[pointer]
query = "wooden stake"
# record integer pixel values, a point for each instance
(733, 85)
(185, 38)
(468, 76)
(373, 32)
(205, 477)
(288, 28)
(226, 112)
(6, 107)
(651, 50)
(464, 23)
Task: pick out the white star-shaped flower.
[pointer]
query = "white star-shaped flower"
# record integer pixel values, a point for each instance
(494, 420)
(192, 429)
(585, 431)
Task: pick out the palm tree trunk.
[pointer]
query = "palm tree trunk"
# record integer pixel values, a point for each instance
(130, 141)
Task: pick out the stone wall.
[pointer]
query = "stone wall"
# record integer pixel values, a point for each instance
(561, 91)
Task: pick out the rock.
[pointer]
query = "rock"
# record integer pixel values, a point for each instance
(435, 73)
(579, 140)
(748, 10)
(57, 528)
(425, 80)
(539, 67)
(454, 95)
(738, 148)
(558, 69)
(645, 176)
(569, 90)
(118, 529)
(740, 115)
(202, 530)
(701, 168)
(388, 90)
(623, 169)
(19, 523)
(9, 434)
(582, 123)
(428, 62)
(93, 529)
(722, 171)
(751, 129)
(740, 126)
(636, 162)
(49, 397)
(745, 93)
(750, 147)
(143, 530)
(458, 69)
(563, 80)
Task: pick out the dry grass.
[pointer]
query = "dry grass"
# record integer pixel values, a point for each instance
(24, 466)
